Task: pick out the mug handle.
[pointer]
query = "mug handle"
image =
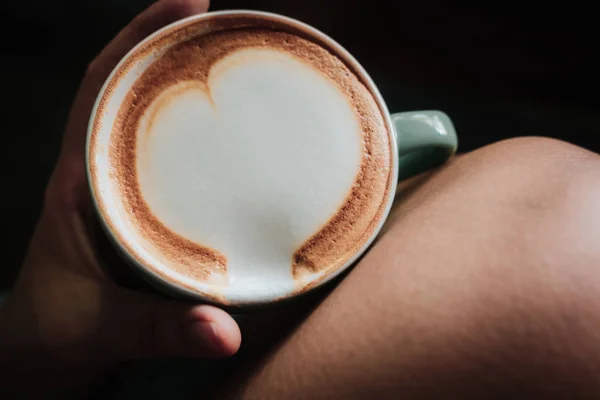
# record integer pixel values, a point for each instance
(425, 140)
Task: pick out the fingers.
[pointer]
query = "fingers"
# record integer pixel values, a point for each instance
(155, 17)
(225, 337)
(141, 326)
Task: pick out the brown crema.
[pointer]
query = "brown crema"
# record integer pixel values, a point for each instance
(194, 49)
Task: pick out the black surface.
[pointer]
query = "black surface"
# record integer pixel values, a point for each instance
(498, 70)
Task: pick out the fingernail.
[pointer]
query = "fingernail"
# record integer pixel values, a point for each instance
(205, 336)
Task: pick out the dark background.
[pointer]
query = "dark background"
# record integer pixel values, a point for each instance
(499, 70)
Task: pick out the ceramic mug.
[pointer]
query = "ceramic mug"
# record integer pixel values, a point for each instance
(423, 139)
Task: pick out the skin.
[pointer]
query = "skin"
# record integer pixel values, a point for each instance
(483, 284)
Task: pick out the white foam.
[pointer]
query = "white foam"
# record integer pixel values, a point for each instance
(255, 169)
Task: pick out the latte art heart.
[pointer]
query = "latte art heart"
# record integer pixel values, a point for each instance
(252, 164)
(248, 163)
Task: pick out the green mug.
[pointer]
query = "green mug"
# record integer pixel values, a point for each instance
(416, 141)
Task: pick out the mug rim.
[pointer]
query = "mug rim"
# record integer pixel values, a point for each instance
(172, 287)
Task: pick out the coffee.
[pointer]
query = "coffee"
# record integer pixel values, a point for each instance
(246, 159)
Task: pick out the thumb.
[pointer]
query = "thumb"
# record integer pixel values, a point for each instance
(142, 326)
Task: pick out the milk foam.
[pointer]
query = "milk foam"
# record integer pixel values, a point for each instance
(252, 164)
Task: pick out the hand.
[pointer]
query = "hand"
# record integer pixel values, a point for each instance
(66, 318)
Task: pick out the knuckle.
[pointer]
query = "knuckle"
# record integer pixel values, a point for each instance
(61, 192)
(54, 195)
(51, 199)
